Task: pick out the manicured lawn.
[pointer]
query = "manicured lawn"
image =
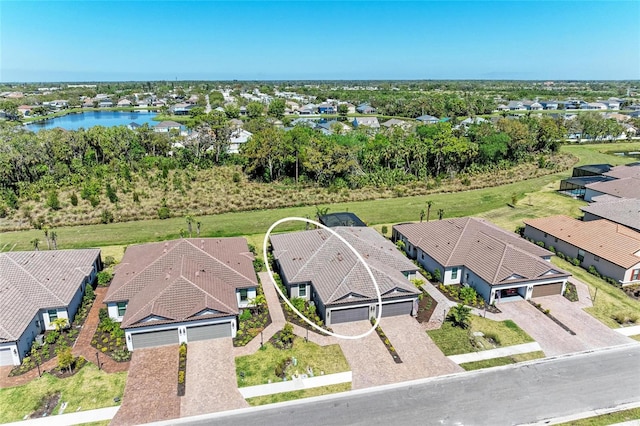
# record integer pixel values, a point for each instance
(307, 393)
(454, 340)
(86, 390)
(606, 419)
(260, 367)
(609, 300)
(495, 362)
(636, 337)
(597, 153)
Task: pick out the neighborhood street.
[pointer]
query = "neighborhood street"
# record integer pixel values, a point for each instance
(524, 393)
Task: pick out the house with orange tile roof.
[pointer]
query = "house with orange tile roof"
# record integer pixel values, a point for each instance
(611, 248)
(182, 290)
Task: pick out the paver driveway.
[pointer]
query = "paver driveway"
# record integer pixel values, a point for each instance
(211, 378)
(591, 332)
(151, 392)
(372, 364)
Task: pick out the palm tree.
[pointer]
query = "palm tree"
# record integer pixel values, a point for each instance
(440, 214)
(189, 220)
(35, 242)
(46, 235)
(54, 239)
(429, 203)
(198, 223)
(60, 323)
(259, 301)
(459, 315)
(421, 215)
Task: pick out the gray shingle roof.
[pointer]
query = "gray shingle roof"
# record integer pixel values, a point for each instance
(35, 280)
(319, 257)
(492, 253)
(624, 188)
(176, 280)
(625, 211)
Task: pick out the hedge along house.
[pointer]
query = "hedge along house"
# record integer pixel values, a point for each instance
(613, 249)
(182, 290)
(316, 266)
(498, 264)
(36, 288)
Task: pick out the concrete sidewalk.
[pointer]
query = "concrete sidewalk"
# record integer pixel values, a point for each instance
(296, 384)
(76, 418)
(496, 353)
(629, 331)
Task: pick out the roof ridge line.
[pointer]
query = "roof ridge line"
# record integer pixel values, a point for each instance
(36, 280)
(459, 239)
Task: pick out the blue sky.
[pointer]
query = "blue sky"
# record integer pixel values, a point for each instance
(153, 40)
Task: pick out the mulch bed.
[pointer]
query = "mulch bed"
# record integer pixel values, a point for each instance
(426, 307)
(250, 328)
(77, 365)
(48, 403)
(480, 304)
(387, 344)
(571, 293)
(182, 370)
(633, 291)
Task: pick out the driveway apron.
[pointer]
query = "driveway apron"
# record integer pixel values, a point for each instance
(211, 378)
(151, 392)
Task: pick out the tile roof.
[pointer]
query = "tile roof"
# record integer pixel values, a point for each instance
(337, 276)
(607, 240)
(624, 188)
(35, 280)
(176, 280)
(491, 252)
(621, 172)
(625, 211)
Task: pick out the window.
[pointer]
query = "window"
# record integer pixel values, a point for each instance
(635, 274)
(596, 258)
(454, 273)
(546, 235)
(580, 255)
(53, 315)
(555, 239)
(243, 295)
(302, 290)
(122, 308)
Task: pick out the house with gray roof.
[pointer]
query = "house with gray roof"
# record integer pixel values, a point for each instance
(428, 119)
(182, 290)
(371, 122)
(623, 211)
(365, 108)
(167, 126)
(317, 266)
(36, 288)
(498, 264)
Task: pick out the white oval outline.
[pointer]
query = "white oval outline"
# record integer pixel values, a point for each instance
(286, 299)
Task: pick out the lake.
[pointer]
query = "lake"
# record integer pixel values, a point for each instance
(95, 118)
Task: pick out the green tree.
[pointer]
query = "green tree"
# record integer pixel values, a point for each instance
(255, 109)
(459, 316)
(232, 111)
(190, 221)
(60, 324)
(343, 110)
(65, 358)
(259, 301)
(440, 214)
(35, 243)
(429, 204)
(53, 202)
(276, 108)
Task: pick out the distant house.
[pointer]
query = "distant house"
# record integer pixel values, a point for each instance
(550, 105)
(621, 188)
(333, 220)
(124, 103)
(365, 109)
(536, 106)
(471, 120)
(316, 266)
(326, 108)
(371, 122)
(25, 110)
(307, 109)
(612, 249)
(593, 106)
(516, 106)
(36, 288)
(167, 126)
(428, 119)
(181, 108)
(133, 125)
(243, 110)
(498, 264)
(105, 103)
(182, 290)
(394, 122)
(238, 138)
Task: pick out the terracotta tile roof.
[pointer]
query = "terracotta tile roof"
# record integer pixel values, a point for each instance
(35, 280)
(491, 252)
(624, 188)
(180, 279)
(607, 240)
(320, 258)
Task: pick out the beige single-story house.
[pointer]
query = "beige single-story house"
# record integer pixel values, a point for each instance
(182, 290)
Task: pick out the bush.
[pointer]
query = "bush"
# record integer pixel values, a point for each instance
(104, 278)
(74, 199)
(52, 337)
(281, 368)
(384, 230)
(111, 194)
(437, 275)
(245, 315)
(52, 200)
(164, 213)
(593, 271)
(468, 295)
(106, 216)
(103, 314)
(576, 262)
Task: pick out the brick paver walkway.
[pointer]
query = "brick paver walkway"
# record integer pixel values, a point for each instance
(83, 343)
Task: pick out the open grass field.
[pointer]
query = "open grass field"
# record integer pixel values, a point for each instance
(259, 368)
(306, 393)
(609, 299)
(607, 419)
(454, 340)
(90, 388)
(506, 360)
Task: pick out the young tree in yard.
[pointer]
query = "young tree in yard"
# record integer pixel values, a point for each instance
(422, 215)
(429, 204)
(198, 224)
(53, 235)
(65, 358)
(60, 324)
(259, 301)
(440, 214)
(35, 242)
(189, 220)
(45, 229)
(459, 316)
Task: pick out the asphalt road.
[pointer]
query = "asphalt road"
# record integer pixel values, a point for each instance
(526, 393)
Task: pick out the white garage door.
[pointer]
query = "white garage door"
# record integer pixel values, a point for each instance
(349, 315)
(398, 308)
(154, 338)
(211, 331)
(5, 357)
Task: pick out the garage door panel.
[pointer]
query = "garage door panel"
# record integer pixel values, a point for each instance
(154, 338)
(210, 331)
(5, 357)
(547, 289)
(398, 308)
(350, 314)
